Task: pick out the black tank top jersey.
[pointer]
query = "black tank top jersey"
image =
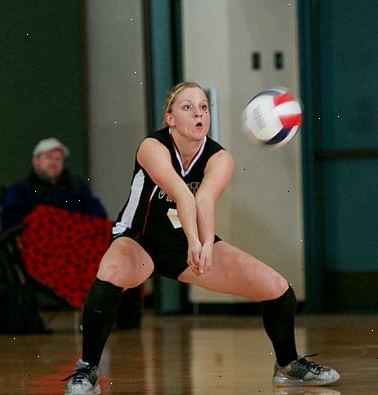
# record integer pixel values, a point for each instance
(150, 214)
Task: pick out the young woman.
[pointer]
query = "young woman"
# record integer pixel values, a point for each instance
(167, 227)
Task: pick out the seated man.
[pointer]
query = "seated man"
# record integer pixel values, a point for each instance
(49, 183)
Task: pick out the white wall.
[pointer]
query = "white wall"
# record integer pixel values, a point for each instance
(262, 210)
(117, 118)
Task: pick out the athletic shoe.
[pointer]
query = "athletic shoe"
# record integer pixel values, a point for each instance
(302, 372)
(82, 380)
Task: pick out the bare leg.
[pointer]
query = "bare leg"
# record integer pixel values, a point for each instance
(238, 273)
(125, 264)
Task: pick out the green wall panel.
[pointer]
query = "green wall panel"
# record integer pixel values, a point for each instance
(41, 91)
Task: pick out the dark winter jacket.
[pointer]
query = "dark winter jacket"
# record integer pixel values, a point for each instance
(69, 192)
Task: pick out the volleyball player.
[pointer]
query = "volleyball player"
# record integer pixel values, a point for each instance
(167, 227)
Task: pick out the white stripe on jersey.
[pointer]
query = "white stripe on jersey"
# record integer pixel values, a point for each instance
(153, 193)
(130, 210)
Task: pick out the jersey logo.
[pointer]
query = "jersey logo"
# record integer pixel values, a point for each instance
(193, 187)
(161, 195)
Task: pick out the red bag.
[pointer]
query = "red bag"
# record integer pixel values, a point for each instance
(62, 250)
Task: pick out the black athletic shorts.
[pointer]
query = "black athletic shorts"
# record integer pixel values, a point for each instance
(168, 262)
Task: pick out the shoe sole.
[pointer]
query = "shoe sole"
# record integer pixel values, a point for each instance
(303, 383)
(94, 391)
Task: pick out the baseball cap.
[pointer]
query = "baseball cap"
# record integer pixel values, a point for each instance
(48, 145)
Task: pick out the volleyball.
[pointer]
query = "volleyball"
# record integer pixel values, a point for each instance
(272, 117)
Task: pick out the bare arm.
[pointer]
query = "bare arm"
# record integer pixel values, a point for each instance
(218, 173)
(155, 158)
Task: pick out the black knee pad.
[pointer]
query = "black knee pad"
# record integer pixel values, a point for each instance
(288, 300)
(103, 297)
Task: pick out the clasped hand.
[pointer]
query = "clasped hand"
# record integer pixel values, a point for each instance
(200, 256)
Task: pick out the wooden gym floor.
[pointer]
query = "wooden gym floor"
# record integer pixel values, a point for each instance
(192, 355)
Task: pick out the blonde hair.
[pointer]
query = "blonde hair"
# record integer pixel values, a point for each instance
(172, 94)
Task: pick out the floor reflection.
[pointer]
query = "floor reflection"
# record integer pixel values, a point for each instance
(193, 355)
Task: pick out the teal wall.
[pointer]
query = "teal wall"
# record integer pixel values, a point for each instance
(41, 82)
(340, 151)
